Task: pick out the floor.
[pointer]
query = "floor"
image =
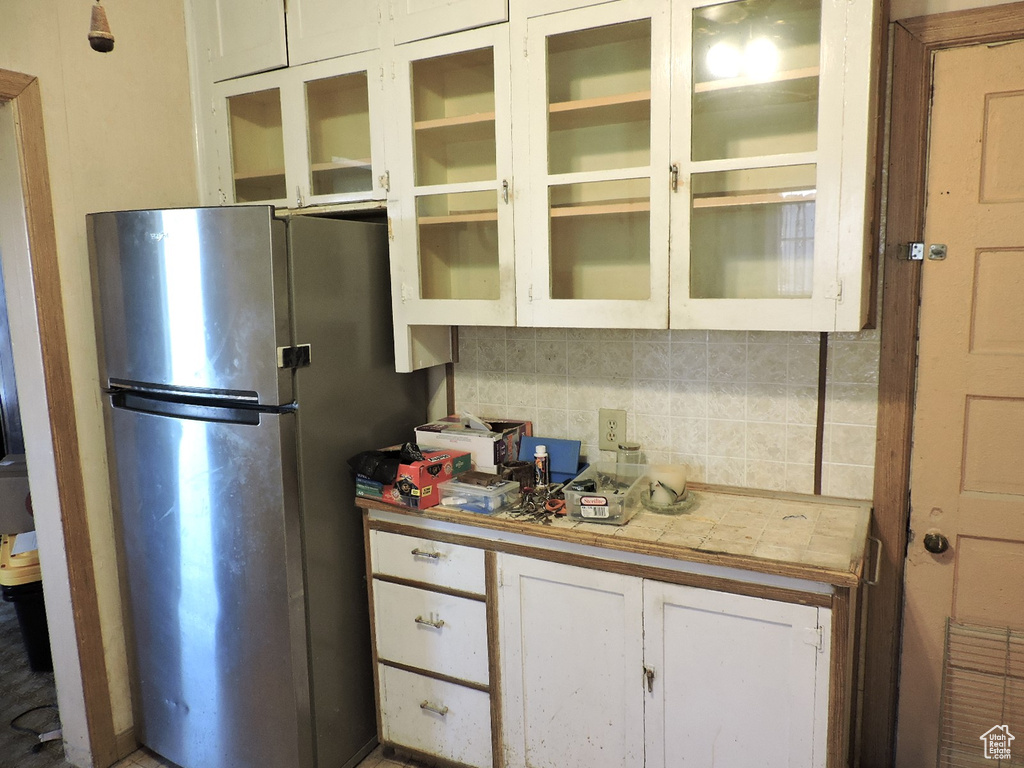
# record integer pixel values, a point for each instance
(24, 689)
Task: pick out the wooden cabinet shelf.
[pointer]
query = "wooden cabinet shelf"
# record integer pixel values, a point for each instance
(601, 209)
(457, 120)
(265, 174)
(731, 83)
(340, 163)
(640, 98)
(459, 218)
(755, 198)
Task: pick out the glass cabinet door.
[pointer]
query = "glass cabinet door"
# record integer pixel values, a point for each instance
(257, 146)
(454, 231)
(765, 132)
(598, 168)
(338, 133)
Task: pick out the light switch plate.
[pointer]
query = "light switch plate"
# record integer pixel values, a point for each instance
(611, 428)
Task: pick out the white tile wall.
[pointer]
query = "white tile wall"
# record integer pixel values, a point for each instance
(738, 408)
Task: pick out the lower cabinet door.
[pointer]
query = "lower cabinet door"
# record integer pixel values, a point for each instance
(572, 666)
(738, 681)
(435, 717)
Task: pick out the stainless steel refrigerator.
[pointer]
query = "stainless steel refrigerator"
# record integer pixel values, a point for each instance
(243, 360)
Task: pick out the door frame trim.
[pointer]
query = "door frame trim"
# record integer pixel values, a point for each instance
(914, 41)
(23, 92)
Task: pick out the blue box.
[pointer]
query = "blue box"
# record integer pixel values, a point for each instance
(564, 456)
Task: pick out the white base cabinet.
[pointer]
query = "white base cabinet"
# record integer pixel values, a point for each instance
(737, 680)
(608, 670)
(571, 665)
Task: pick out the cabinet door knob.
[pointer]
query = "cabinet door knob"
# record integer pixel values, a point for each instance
(504, 190)
(674, 171)
(936, 543)
(649, 675)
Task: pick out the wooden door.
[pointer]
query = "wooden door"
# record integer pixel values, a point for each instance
(967, 472)
(572, 666)
(736, 679)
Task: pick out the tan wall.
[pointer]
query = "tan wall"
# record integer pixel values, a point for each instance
(903, 9)
(119, 135)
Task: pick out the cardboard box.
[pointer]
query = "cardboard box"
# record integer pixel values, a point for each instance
(489, 447)
(416, 484)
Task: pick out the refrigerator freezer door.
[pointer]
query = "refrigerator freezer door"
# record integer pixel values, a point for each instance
(209, 519)
(193, 300)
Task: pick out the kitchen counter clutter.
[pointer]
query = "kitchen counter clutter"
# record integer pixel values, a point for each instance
(510, 642)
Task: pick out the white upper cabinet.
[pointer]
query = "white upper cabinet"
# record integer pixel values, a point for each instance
(302, 135)
(239, 38)
(592, 91)
(420, 19)
(244, 37)
(450, 201)
(323, 29)
(772, 162)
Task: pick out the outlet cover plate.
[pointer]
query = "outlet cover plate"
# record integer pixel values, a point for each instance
(611, 428)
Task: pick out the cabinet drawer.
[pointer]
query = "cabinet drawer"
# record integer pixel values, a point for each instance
(431, 631)
(431, 562)
(411, 716)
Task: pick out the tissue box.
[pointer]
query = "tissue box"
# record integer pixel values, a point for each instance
(416, 484)
(489, 448)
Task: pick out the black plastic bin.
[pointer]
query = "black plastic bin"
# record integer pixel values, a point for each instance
(28, 604)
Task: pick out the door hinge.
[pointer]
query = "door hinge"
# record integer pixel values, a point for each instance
(391, 229)
(835, 291)
(529, 295)
(293, 357)
(381, 69)
(385, 180)
(526, 47)
(405, 292)
(916, 251)
(649, 679)
(813, 636)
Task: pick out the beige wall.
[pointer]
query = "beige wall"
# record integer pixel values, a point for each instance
(119, 135)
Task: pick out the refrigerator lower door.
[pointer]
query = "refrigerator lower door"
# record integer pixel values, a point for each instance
(209, 520)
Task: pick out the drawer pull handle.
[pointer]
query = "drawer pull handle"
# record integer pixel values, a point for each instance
(423, 553)
(442, 711)
(435, 623)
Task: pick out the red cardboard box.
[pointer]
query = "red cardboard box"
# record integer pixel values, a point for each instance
(416, 483)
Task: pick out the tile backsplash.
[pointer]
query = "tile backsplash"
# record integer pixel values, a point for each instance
(737, 407)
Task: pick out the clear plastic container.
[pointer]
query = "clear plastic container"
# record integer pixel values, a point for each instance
(613, 500)
(485, 500)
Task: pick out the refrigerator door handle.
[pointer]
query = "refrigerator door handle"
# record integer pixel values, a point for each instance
(180, 409)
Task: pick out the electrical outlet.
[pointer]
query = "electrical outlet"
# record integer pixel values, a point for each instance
(611, 428)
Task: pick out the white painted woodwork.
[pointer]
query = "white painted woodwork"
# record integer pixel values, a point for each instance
(434, 283)
(966, 478)
(572, 664)
(407, 557)
(241, 38)
(258, 144)
(431, 631)
(408, 702)
(324, 29)
(842, 156)
(738, 680)
(542, 7)
(420, 19)
(612, 269)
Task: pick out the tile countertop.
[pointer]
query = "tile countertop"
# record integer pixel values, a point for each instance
(818, 538)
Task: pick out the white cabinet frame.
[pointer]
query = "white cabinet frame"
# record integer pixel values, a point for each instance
(530, 98)
(421, 19)
(409, 307)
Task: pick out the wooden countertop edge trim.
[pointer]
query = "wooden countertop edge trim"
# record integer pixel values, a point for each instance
(850, 578)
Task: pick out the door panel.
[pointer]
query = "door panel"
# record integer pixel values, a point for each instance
(194, 299)
(209, 528)
(967, 485)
